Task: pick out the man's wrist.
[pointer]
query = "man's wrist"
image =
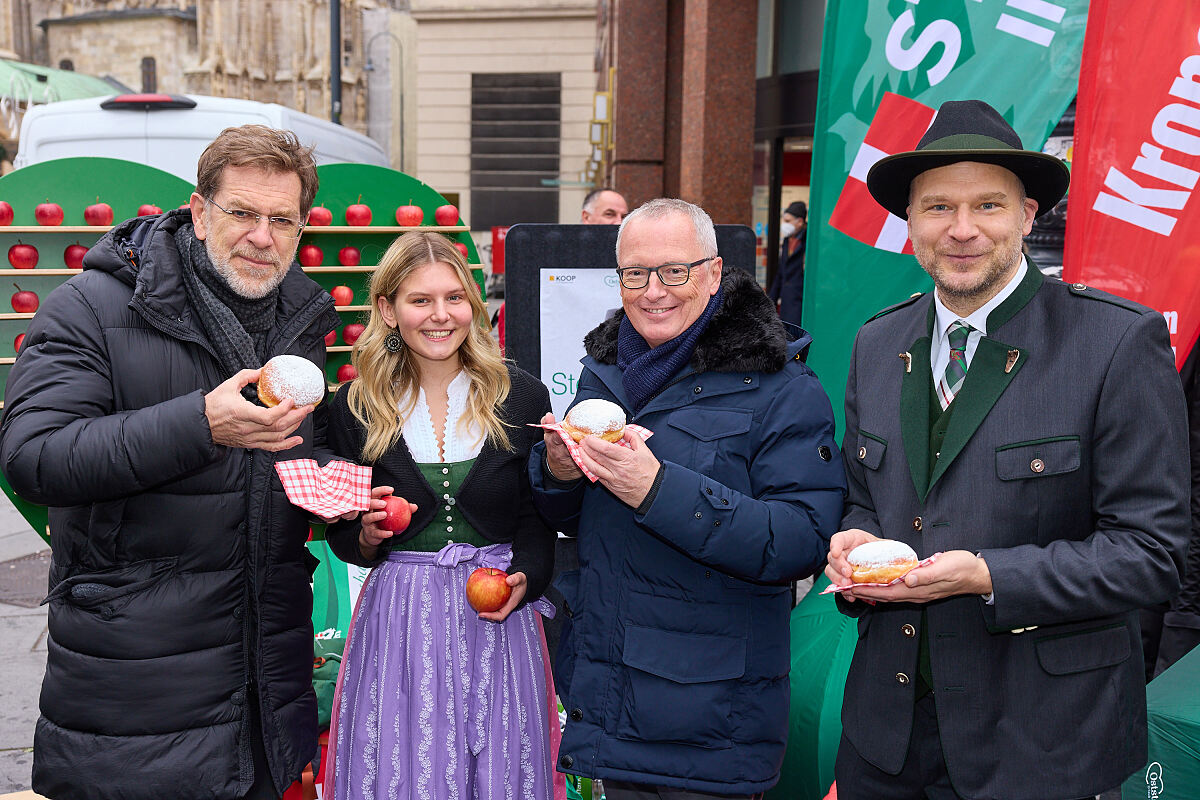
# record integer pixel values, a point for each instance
(985, 582)
(553, 479)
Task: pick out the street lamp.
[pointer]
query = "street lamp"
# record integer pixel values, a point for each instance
(368, 66)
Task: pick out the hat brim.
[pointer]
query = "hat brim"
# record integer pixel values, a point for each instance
(1045, 177)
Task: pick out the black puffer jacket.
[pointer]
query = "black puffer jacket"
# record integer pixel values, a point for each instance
(180, 579)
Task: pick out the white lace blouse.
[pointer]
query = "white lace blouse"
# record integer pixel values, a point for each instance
(461, 443)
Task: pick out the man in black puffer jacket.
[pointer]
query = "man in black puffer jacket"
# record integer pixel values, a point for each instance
(180, 647)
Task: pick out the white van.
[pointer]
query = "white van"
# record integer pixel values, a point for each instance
(171, 131)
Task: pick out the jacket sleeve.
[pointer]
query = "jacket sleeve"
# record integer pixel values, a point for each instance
(62, 443)
(533, 542)
(779, 532)
(1140, 490)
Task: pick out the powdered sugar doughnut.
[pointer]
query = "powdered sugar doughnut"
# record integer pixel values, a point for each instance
(595, 418)
(291, 376)
(881, 561)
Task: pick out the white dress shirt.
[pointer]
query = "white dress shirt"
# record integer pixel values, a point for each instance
(461, 443)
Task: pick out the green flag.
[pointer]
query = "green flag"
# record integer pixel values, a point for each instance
(886, 66)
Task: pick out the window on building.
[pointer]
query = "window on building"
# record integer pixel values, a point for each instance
(149, 75)
(67, 64)
(516, 128)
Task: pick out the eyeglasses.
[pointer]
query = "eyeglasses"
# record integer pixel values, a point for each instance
(668, 274)
(249, 220)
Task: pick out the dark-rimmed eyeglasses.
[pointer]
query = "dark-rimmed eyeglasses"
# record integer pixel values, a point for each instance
(284, 227)
(668, 274)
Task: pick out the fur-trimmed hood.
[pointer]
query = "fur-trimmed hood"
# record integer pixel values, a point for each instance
(745, 335)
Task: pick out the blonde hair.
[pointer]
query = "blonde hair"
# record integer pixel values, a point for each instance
(386, 380)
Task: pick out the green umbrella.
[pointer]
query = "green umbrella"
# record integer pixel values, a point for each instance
(823, 642)
(1173, 717)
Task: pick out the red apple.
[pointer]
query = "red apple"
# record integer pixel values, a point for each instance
(146, 209)
(331, 337)
(342, 295)
(98, 214)
(446, 215)
(310, 256)
(320, 215)
(349, 257)
(358, 214)
(398, 511)
(409, 215)
(462, 248)
(6, 213)
(23, 256)
(346, 372)
(24, 301)
(17, 342)
(48, 213)
(73, 256)
(488, 589)
(351, 332)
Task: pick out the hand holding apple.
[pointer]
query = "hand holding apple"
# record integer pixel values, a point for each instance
(372, 533)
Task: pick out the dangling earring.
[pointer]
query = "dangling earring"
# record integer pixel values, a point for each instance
(393, 342)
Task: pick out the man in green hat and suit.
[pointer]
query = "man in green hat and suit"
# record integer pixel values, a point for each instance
(1032, 435)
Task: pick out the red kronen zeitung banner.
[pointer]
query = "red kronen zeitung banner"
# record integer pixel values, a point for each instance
(1133, 220)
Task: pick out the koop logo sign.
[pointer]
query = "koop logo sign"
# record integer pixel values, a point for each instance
(562, 278)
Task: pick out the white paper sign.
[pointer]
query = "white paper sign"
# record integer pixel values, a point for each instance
(573, 301)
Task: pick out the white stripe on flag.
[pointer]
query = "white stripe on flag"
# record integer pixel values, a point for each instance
(1039, 8)
(893, 234)
(1025, 30)
(864, 160)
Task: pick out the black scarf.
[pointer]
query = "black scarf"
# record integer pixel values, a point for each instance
(237, 327)
(645, 371)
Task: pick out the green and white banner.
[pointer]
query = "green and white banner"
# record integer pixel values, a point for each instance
(886, 66)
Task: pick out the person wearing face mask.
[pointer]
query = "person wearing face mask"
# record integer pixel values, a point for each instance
(787, 290)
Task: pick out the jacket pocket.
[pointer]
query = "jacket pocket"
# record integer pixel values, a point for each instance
(1039, 458)
(107, 591)
(711, 430)
(870, 450)
(680, 686)
(1071, 653)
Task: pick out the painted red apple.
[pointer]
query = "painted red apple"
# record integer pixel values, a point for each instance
(446, 215)
(98, 214)
(320, 215)
(462, 248)
(398, 511)
(48, 213)
(346, 372)
(146, 209)
(23, 256)
(17, 342)
(488, 589)
(409, 215)
(349, 257)
(73, 256)
(310, 256)
(24, 301)
(6, 213)
(351, 332)
(358, 214)
(331, 337)
(342, 295)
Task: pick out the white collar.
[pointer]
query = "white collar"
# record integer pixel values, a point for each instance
(459, 445)
(978, 318)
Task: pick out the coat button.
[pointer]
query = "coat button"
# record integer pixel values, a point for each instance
(901, 679)
(576, 715)
(699, 515)
(445, 470)
(747, 380)
(909, 631)
(824, 452)
(237, 612)
(708, 491)
(862, 452)
(696, 390)
(566, 762)
(918, 523)
(1037, 465)
(708, 573)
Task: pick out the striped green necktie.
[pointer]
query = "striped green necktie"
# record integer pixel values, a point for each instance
(956, 368)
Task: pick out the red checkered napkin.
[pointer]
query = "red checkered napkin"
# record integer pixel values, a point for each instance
(573, 446)
(833, 588)
(328, 491)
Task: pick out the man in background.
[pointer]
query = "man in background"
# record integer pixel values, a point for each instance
(603, 206)
(787, 290)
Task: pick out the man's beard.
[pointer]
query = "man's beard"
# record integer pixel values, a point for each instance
(1003, 260)
(244, 287)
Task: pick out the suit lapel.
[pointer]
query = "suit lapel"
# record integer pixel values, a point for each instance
(992, 369)
(915, 388)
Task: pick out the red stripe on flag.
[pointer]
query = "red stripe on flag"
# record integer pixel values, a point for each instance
(857, 214)
(899, 123)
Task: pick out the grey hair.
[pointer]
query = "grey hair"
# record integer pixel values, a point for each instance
(702, 224)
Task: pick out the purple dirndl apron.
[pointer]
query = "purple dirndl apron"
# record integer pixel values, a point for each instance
(433, 702)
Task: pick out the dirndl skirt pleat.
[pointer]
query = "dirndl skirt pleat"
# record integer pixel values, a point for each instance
(433, 702)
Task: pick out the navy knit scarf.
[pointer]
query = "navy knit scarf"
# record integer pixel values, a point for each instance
(645, 371)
